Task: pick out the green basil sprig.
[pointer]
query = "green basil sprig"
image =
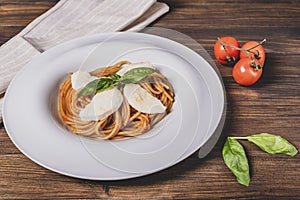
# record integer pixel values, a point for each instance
(90, 88)
(137, 74)
(96, 86)
(236, 160)
(235, 157)
(132, 76)
(114, 77)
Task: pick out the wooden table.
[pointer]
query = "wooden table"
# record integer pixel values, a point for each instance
(272, 105)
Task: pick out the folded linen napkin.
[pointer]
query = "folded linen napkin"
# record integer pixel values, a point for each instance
(69, 19)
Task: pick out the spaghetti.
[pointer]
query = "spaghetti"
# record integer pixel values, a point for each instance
(126, 121)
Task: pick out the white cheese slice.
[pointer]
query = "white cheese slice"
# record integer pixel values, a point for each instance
(141, 100)
(128, 67)
(102, 105)
(81, 78)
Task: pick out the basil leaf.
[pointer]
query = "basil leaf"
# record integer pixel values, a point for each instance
(114, 77)
(90, 88)
(273, 144)
(97, 86)
(236, 160)
(104, 84)
(136, 74)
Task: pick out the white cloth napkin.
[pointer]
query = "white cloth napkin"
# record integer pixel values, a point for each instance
(69, 19)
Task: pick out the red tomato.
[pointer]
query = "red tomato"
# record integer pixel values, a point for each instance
(225, 54)
(257, 52)
(246, 72)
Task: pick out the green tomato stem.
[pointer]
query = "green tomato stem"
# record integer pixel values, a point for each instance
(224, 45)
(241, 49)
(264, 40)
(233, 47)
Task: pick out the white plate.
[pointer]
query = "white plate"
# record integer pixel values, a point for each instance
(33, 128)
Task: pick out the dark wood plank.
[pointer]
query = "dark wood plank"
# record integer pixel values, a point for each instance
(15, 15)
(272, 105)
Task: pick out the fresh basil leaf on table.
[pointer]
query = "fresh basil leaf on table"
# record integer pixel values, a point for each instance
(273, 144)
(236, 160)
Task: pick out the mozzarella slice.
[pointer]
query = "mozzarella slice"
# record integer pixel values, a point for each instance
(128, 67)
(102, 105)
(141, 100)
(81, 78)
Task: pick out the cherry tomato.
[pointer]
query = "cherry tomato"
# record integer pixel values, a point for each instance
(246, 71)
(257, 52)
(225, 54)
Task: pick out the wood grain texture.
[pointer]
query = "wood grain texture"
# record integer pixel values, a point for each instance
(272, 105)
